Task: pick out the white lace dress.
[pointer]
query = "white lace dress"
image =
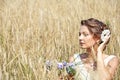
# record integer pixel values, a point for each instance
(82, 73)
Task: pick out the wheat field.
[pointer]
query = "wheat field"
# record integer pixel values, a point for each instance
(34, 31)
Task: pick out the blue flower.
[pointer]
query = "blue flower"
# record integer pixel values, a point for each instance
(71, 64)
(64, 63)
(60, 65)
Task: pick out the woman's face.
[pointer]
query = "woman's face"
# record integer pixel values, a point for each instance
(86, 38)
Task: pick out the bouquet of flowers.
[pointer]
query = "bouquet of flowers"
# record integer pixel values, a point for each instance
(69, 67)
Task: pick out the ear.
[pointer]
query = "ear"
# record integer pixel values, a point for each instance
(98, 41)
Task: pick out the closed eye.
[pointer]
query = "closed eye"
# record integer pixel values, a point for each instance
(85, 34)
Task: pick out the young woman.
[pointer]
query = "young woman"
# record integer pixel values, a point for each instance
(94, 64)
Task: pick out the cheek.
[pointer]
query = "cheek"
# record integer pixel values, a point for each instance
(91, 41)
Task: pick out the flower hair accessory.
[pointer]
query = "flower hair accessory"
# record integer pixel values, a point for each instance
(105, 33)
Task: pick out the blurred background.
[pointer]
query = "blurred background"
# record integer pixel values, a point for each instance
(34, 31)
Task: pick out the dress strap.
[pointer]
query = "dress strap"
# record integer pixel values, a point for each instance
(106, 60)
(77, 59)
(82, 73)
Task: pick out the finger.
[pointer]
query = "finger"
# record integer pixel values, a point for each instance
(106, 39)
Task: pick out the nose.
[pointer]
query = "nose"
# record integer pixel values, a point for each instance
(81, 37)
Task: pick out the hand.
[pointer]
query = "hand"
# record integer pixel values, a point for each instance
(104, 43)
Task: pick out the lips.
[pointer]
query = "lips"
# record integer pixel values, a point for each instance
(81, 43)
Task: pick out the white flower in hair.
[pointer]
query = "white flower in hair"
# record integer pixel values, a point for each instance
(105, 33)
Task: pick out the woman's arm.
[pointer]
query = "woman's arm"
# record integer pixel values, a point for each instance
(105, 72)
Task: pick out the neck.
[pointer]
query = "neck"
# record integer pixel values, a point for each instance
(92, 52)
(89, 51)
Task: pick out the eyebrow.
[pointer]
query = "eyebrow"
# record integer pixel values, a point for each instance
(84, 32)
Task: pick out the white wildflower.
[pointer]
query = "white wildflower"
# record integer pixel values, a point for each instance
(104, 34)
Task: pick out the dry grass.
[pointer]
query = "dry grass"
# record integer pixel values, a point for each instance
(33, 31)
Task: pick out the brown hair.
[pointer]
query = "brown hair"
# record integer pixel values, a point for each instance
(95, 26)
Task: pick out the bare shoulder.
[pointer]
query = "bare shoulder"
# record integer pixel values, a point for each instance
(77, 55)
(71, 59)
(114, 62)
(113, 65)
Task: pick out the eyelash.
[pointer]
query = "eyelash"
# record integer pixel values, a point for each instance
(83, 34)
